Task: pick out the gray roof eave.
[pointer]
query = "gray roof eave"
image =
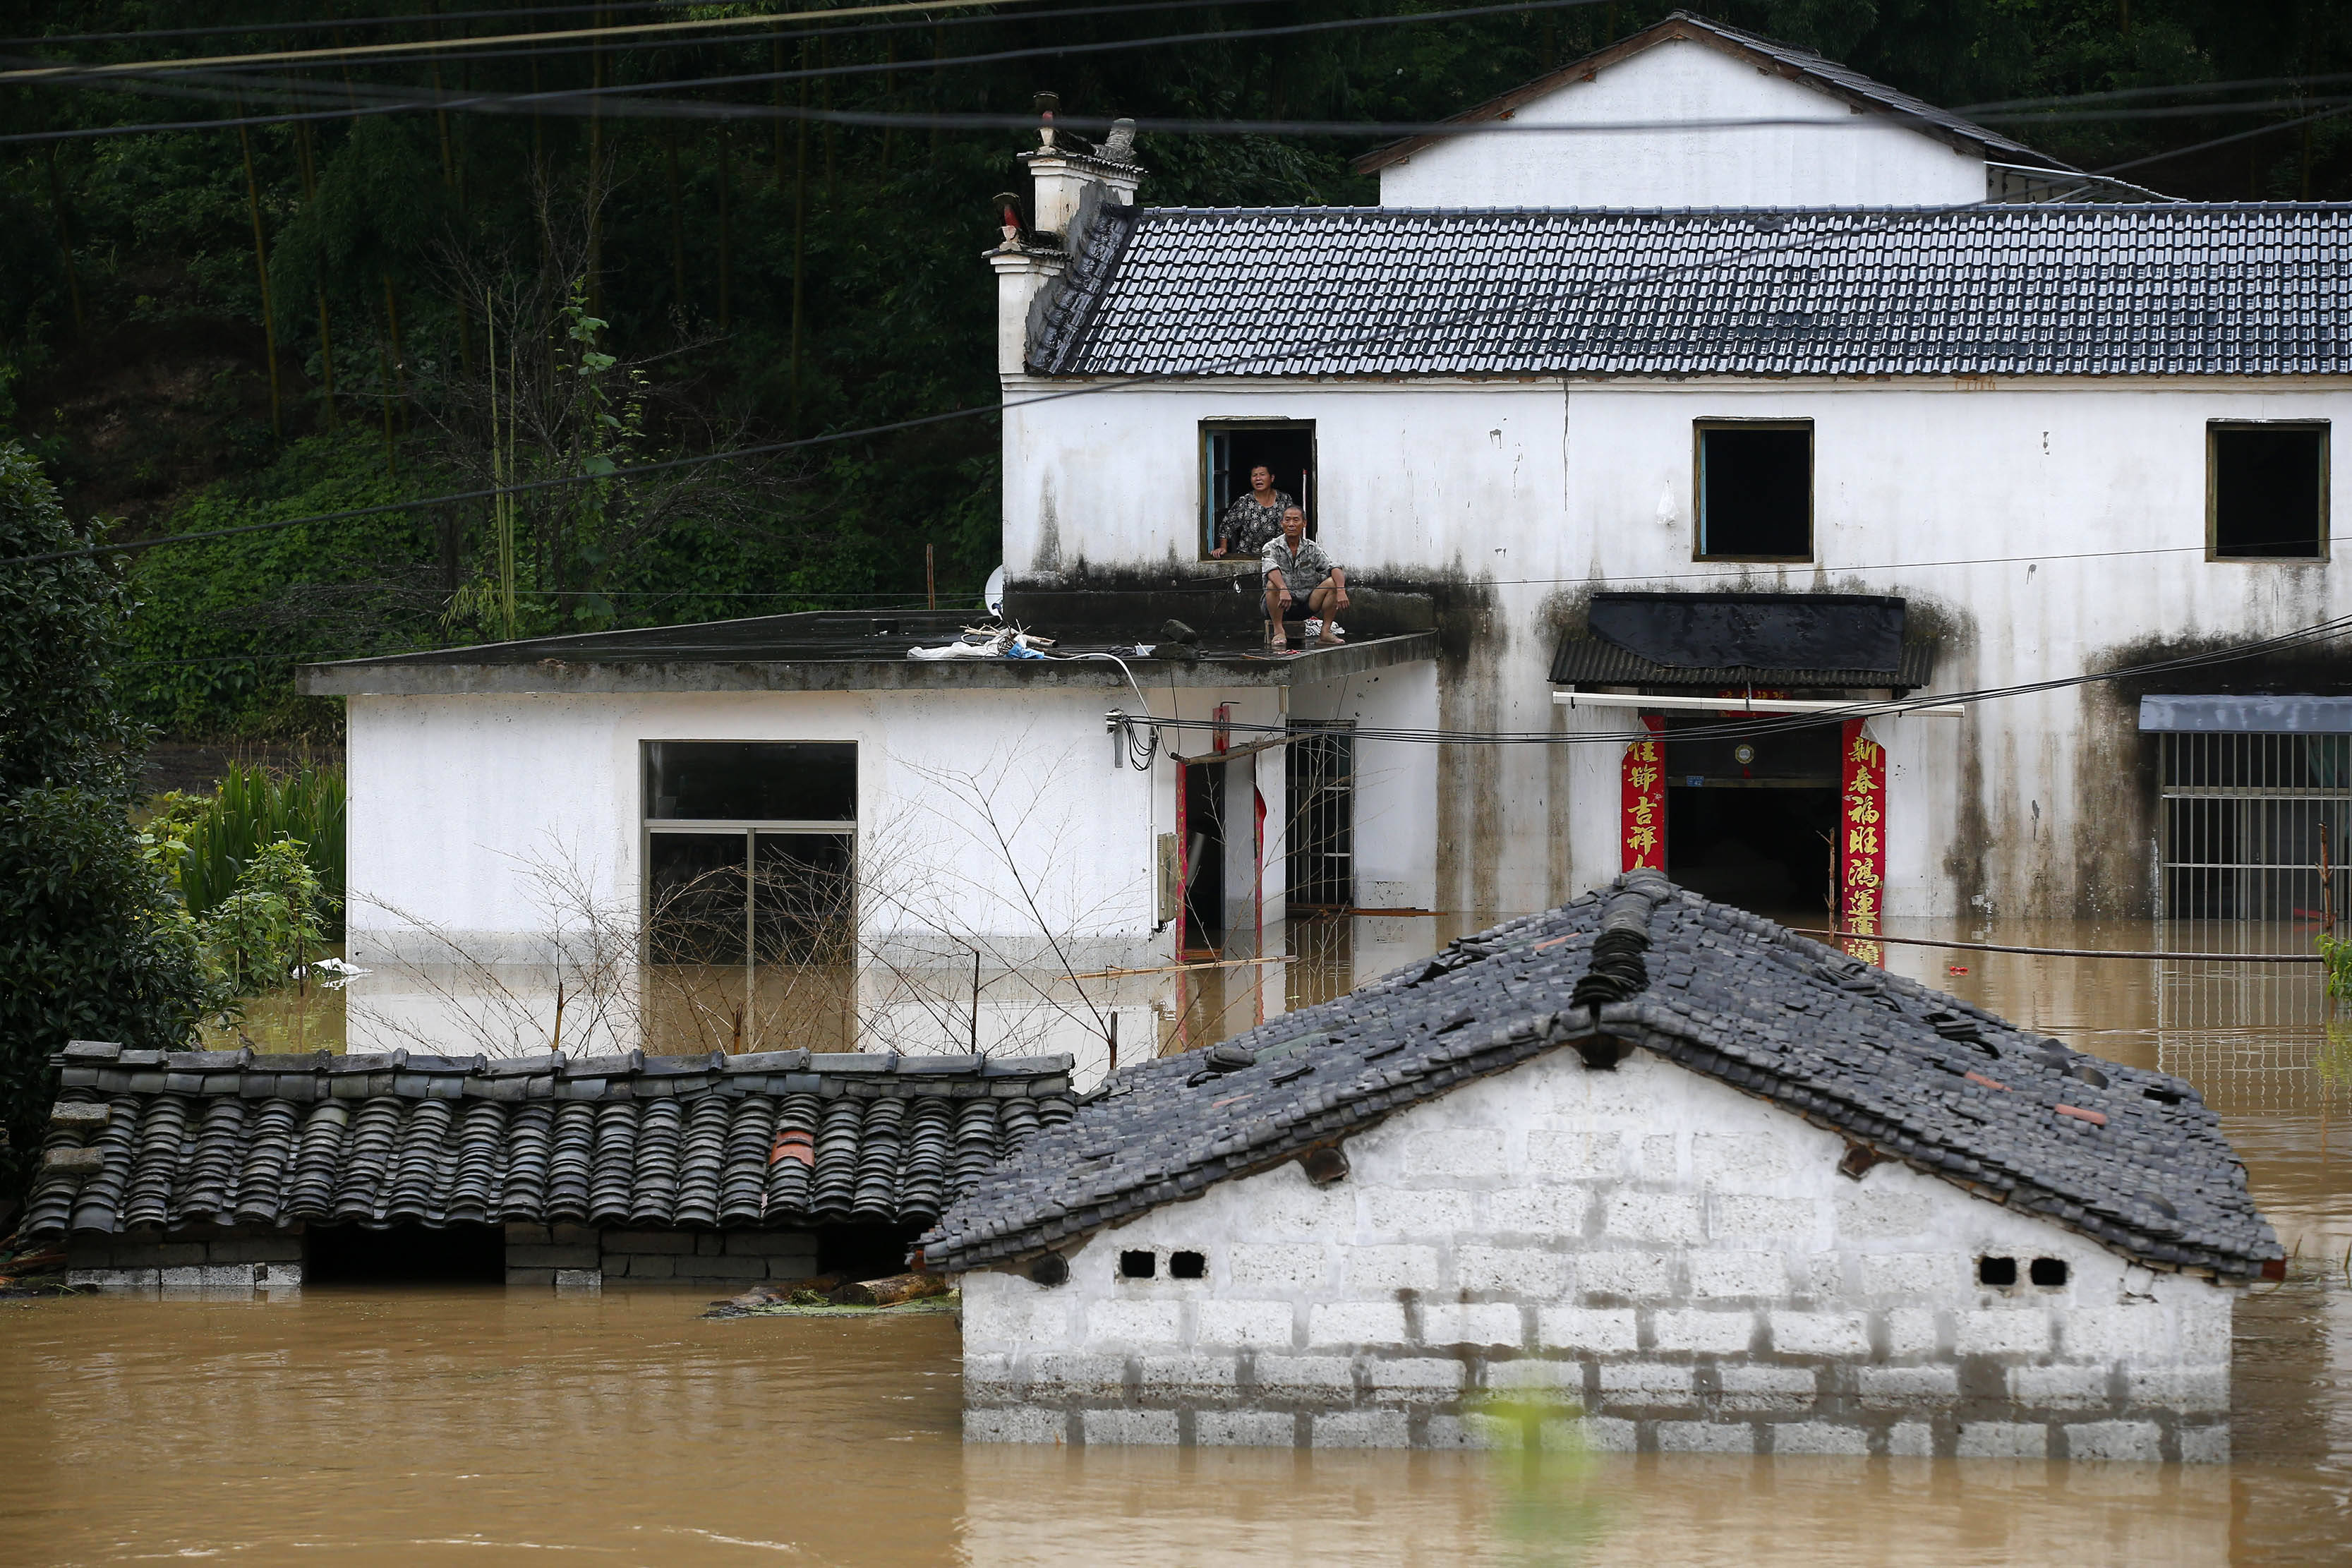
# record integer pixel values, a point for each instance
(427, 675)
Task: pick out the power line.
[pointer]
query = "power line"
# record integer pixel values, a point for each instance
(2299, 637)
(2159, 92)
(1454, 320)
(333, 24)
(913, 63)
(351, 52)
(602, 100)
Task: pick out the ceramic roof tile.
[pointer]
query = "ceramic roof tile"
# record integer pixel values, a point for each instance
(778, 1138)
(2018, 290)
(1902, 1072)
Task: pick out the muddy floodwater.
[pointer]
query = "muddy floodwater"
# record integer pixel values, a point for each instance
(422, 1427)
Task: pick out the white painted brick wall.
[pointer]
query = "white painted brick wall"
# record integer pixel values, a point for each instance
(1685, 1250)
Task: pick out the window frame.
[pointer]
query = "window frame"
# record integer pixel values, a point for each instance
(747, 831)
(1204, 474)
(1699, 427)
(2213, 492)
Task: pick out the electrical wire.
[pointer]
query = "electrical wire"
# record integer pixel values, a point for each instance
(444, 47)
(1762, 725)
(912, 63)
(1457, 318)
(333, 24)
(561, 101)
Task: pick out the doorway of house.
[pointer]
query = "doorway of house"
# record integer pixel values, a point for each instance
(1204, 827)
(405, 1254)
(1752, 820)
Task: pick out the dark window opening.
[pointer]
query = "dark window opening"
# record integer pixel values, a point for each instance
(750, 781)
(1203, 785)
(1138, 1265)
(1756, 491)
(754, 891)
(1759, 831)
(863, 1251)
(1187, 1266)
(1997, 1271)
(1228, 453)
(2048, 1271)
(405, 1255)
(2269, 486)
(1320, 782)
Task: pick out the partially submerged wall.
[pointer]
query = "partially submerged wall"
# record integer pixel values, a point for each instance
(1652, 1255)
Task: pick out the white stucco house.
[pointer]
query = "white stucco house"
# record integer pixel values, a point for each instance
(1644, 1171)
(1829, 342)
(1824, 404)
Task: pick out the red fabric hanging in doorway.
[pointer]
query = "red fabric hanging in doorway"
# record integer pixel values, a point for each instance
(1644, 827)
(1862, 850)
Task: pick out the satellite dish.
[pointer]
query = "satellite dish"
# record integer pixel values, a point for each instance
(992, 597)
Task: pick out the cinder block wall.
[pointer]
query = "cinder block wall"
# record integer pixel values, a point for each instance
(583, 1258)
(1665, 1262)
(209, 1260)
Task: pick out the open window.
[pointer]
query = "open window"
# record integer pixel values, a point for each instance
(1755, 487)
(1231, 448)
(750, 878)
(2266, 491)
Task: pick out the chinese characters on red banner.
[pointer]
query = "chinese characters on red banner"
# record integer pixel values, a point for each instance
(1645, 800)
(1862, 849)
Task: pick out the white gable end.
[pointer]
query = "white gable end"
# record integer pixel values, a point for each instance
(1838, 159)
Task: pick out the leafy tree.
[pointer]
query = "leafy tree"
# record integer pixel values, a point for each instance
(92, 944)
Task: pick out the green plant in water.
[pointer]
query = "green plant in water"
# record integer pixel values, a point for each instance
(259, 936)
(2337, 952)
(206, 846)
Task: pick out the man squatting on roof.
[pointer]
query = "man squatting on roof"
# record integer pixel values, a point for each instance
(1255, 516)
(1291, 558)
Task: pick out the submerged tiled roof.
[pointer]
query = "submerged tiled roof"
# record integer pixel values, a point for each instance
(1591, 661)
(2172, 290)
(1792, 61)
(777, 1137)
(2132, 1158)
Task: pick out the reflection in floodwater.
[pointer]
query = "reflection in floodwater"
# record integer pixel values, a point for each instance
(411, 1427)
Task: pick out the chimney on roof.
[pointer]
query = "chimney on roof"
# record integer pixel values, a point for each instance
(1072, 181)
(1071, 184)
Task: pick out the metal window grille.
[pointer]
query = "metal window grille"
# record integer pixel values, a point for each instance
(1320, 774)
(2239, 837)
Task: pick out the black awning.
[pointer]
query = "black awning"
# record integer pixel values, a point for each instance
(1587, 661)
(1780, 633)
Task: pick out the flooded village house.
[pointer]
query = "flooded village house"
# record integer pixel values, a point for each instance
(1645, 1172)
(224, 1174)
(1614, 434)
(1982, 420)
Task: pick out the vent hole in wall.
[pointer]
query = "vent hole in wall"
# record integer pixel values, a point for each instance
(1996, 1270)
(1142, 1265)
(1194, 1266)
(2048, 1271)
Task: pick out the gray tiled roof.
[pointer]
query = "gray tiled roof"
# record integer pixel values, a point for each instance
(2136, 1160)
(776, 1138)
(2171, 289)
(1591, 661)
(1790, 60)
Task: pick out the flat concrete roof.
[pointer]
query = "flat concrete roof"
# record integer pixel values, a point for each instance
(829, 651)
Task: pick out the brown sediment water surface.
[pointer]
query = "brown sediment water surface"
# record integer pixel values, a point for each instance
(429, 1425)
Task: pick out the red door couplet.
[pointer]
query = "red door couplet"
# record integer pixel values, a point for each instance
(1645, 800)
(1862, 847)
